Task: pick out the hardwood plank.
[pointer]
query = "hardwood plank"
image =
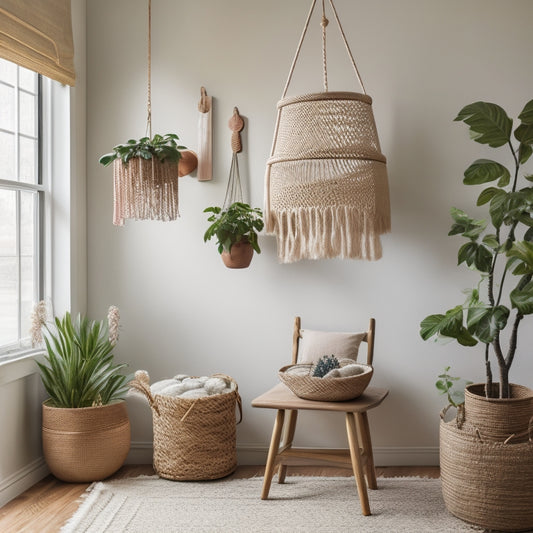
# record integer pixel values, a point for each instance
(46, 506)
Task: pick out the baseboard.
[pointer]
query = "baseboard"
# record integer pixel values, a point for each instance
(22, 480)
(142, 453)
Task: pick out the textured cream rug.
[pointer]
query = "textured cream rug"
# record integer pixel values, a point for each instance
(148, 504)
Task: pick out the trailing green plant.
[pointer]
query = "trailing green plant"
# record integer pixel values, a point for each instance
(324, 365)
(162, 147)
(238, 223)
(79, 370)
(499, 248)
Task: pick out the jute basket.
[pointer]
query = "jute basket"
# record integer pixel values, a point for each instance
(86, 443)
(486, 483)
(325, 390)
(193, 439)
(499, 419)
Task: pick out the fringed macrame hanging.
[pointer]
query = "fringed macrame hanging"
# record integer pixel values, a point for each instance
(326, 186)
(145, 189)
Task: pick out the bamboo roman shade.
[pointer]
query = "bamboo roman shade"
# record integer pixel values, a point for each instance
(38, 36)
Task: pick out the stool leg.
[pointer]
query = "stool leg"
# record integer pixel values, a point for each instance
(366, 443)
(355, 454)
(272, 453)
(287, 442)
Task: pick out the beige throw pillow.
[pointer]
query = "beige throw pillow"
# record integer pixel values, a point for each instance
(315, 344)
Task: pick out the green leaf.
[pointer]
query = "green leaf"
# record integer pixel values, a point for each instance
(487, 195)
(107, 159)
(497, 208)
(485, 170)
(522, 299)
(490, 323)
(521, 257)
(431, 326)
(524, 133)
(489, 123)
(466, 226)
(524, 152)
(491, 240)
(526, 116)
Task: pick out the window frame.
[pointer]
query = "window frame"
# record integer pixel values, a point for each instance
(22, 345)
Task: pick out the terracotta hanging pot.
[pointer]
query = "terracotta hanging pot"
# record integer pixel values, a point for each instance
(240, 255)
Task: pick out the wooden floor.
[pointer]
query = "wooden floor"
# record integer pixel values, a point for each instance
(46, 506)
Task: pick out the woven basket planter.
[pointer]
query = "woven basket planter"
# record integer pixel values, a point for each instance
(87, 443)
(145, 189)
(499, 419)
(325, 390)
(194, 439)
(489, 484)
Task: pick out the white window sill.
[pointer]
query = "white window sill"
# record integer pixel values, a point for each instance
(19, 366)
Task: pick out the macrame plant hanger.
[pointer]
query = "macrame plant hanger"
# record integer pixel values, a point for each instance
(234, 188)
(145, 189)
(326, 185)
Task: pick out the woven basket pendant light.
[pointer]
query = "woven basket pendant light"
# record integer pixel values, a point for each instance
(326, 185)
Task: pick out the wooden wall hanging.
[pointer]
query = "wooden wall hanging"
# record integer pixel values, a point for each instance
(326, 185)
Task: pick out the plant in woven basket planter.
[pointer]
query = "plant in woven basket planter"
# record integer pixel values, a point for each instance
(86, 429)
(145, 175)
(235, 229)
(500, 249)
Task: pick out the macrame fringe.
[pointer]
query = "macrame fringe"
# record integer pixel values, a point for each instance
(145, 189)
(327, 232)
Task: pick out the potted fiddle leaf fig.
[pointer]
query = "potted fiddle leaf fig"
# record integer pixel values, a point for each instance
(235, 229)
(493, 435)
(85, 428)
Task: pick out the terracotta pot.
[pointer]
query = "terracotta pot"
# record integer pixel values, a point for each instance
(497, 419)
(240, 256)
(87, 443)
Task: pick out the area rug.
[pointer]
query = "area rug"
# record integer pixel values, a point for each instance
(148, 504)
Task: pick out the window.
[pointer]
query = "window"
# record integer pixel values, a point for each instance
(21, 203)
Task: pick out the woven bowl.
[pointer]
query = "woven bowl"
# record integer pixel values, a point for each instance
(325, 390)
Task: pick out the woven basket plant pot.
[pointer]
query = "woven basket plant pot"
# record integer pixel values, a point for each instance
(240, 256)
(495, 418)
(486, 483)
(87, 443)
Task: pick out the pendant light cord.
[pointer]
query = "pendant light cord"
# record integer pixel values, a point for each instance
(149, 114)
(324, 22)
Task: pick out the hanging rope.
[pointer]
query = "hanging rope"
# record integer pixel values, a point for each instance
(149, 114)
(324, 22)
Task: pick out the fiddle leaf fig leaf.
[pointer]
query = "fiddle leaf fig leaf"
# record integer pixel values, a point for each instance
(526, 116)
(430, 326)
(524, 152)
(485, 170)
(489, 323)
(489, 123)
(522, 299)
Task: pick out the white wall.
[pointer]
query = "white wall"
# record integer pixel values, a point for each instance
(183, 312)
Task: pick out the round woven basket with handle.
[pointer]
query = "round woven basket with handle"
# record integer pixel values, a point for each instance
(194, 439)
(338, 389)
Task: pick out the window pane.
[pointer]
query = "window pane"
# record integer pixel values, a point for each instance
(27, 114)
(7, 107)
(28, 160)
(28, 259)
(8, 268)
(28, 80)
(8, 71)
(7, 156)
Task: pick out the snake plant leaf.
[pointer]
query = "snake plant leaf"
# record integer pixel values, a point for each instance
(485, 170)
(489, 123)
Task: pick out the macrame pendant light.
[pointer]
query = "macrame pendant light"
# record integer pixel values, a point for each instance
(326, 186)
(145, 189)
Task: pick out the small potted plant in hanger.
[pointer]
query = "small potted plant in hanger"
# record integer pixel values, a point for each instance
(85, 428)
(486, 456)
(235, 228)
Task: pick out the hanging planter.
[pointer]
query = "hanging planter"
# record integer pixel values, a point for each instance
(146, 171)
(236, 223)
(326, 185)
